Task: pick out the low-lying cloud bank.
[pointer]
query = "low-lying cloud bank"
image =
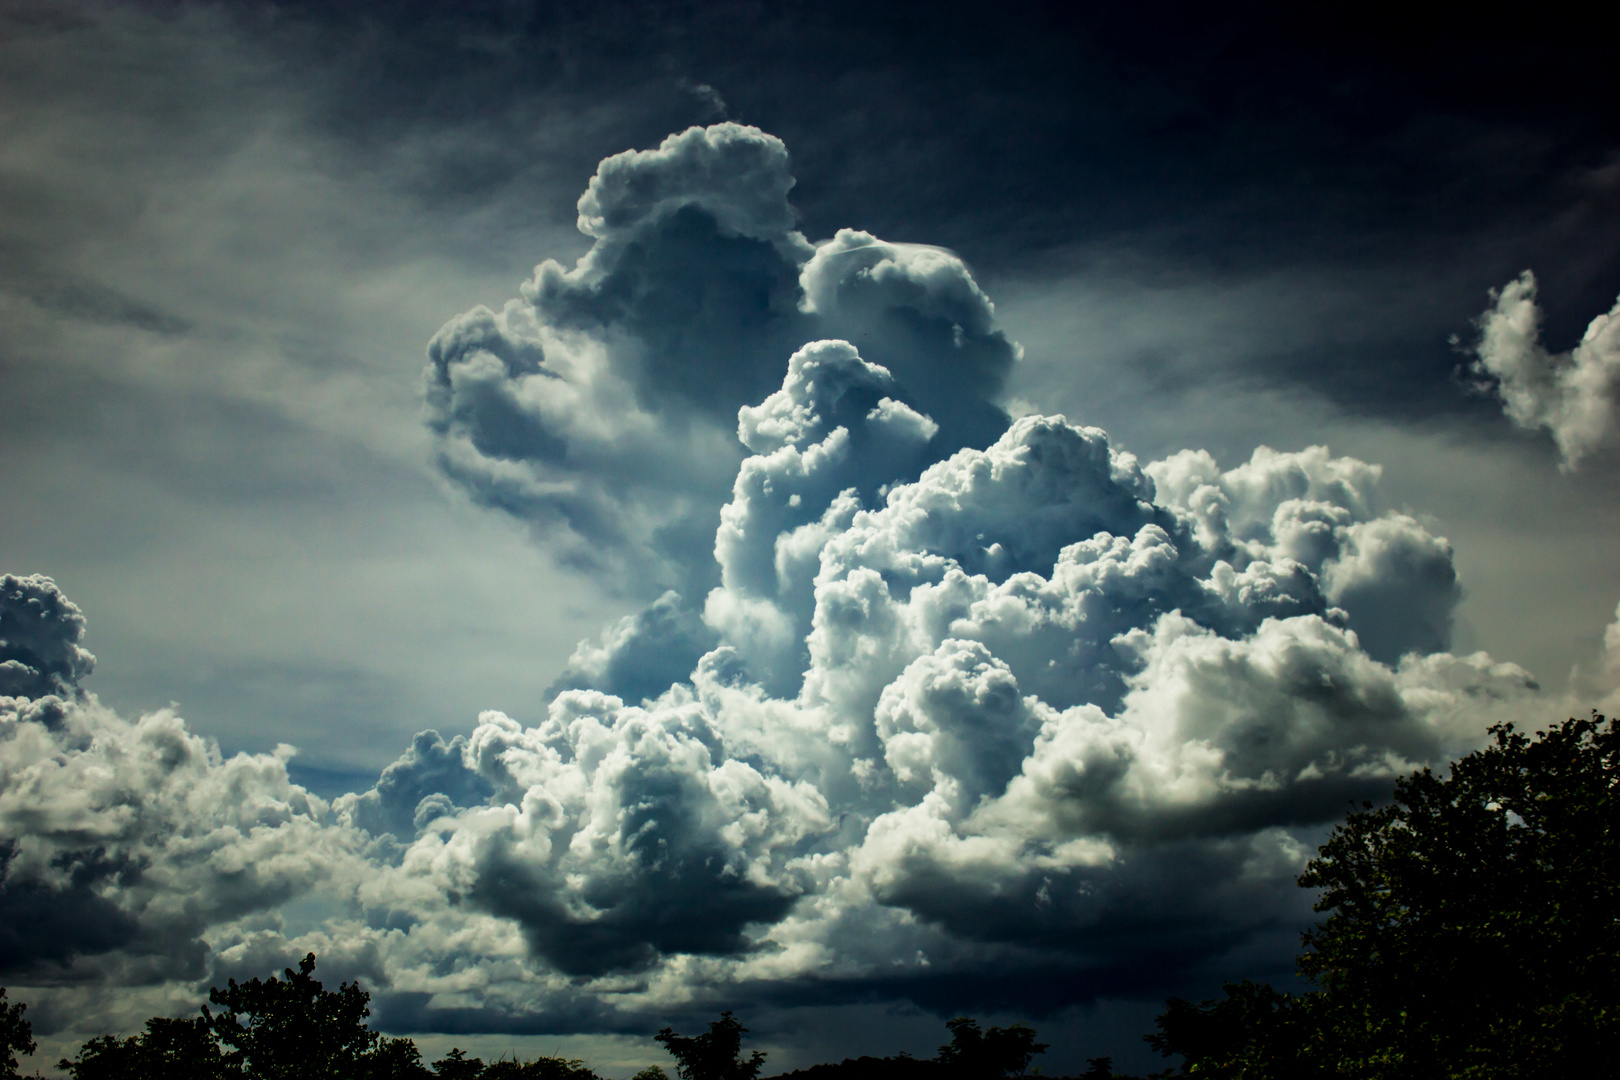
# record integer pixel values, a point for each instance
(942, 706)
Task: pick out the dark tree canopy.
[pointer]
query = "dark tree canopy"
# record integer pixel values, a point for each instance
(16, 1036)
(1471, 930)
(1473, 921)
(281, 1029)
(988, 1055)
(715, 1055)
(172, 1049)
(291, 1028)
(542, 1068)
(456, 1065)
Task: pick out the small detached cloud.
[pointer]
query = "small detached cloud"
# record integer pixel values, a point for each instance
(1575, 395)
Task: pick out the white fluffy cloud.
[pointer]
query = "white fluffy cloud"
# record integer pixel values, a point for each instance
(1574, 395)
(966, 698)
(123, 846)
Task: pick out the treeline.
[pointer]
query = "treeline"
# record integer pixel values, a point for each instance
(293, 1029)
(1472, 930)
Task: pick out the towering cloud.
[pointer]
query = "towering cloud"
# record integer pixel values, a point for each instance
(601, 405)
(958, 701)
(1574, 395)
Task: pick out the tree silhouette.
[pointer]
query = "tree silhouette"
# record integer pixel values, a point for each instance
(291, 1028)
(988, 1055)
(456, 1065)
(172, 1049)
(393, 1059)
(1471, 930)
(541, 1068)
(16, 1036)
(1473, 920)
(716, 1055)
(1253, 1032)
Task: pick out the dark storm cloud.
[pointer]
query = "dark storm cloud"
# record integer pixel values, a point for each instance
(122, 844)
(1038, 708)
(681, 898)
(966, 695)
(52, 924)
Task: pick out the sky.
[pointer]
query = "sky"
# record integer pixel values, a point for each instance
(589, 515)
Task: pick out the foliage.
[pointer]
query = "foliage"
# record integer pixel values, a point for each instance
(716, 1055)
(1102, 1068)
(172, 1049)
(902, 1067)
(16, 1036)
(291, 1028)
(541, 1068)
(1253, 1032)
(973, 1054)
(456, 1065)
(1470, 930)
(393, 1059)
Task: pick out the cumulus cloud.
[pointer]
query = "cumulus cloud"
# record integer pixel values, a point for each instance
(642, 654)
(1037, 707)
(40, 631)
(1573, 395)
(125, 846)
(944, 702)
(601, 404)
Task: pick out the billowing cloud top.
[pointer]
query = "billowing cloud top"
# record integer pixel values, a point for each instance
(40, 631)
(601, 404)
(948, 699)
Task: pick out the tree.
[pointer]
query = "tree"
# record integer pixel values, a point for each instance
(1254, 1032)
(172, 1049)
(1472, 923)
(1471, 930)
(456, 1065)
(541, 1068)
(16, 1036)
(293, 1029)
(988, 1055)
(393, 1059)
(714, 1056)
